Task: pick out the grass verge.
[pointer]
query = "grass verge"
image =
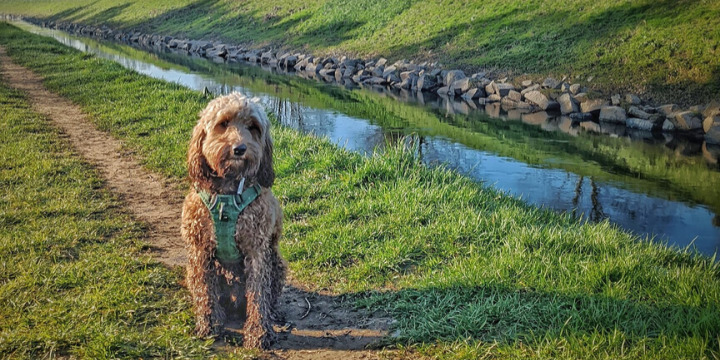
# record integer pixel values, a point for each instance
(663, 48)
(73, 281)
(467, 271)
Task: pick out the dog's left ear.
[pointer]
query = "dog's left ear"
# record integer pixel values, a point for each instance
(266, 174)
(198, 169)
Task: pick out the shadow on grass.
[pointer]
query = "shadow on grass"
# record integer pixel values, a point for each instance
(508, 316)
(106, 16)
(488, 314)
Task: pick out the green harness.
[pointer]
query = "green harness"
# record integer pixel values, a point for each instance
(225, 210)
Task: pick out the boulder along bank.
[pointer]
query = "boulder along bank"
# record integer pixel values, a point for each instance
(549, 97)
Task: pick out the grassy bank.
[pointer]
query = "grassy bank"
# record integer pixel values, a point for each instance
(662, 48)
(73, 281)
(467, 272)
(651, 169)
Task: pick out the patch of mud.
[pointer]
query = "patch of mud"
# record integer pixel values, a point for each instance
(316, 326)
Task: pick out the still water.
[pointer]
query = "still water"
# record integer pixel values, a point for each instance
(659, 186)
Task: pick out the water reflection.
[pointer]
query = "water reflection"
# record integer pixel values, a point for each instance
(653, 184)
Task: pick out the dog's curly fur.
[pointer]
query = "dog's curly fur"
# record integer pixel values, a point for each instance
(224, 289)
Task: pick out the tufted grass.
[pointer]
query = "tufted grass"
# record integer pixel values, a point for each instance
(467, 271)
(665, 49)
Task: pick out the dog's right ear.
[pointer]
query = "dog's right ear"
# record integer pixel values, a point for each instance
(198, 168)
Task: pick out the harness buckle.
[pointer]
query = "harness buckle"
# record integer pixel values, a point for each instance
(222, 214)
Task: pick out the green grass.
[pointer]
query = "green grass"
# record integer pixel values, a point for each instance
(73, 279)
(467, 271)
(666, 49)
(634, 165)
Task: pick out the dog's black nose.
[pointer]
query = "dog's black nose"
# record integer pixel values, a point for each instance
(240, 149)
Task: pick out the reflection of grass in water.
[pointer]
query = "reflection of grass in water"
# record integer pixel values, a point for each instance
(467, 270)
(633, 165)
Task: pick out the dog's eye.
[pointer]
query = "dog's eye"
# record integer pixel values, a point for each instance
(254, 129)
(225, 123)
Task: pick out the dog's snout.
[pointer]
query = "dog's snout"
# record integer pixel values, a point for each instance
(240, 150)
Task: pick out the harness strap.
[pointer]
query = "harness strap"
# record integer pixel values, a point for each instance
(224, 211)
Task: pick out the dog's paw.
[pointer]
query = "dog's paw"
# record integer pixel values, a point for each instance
(260, 340)
(202, 331)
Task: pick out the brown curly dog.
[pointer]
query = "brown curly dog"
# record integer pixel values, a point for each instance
(231, 147)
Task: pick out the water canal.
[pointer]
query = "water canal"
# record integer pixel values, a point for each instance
(657, 185)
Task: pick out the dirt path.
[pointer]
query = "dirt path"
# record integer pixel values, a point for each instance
(329, 328)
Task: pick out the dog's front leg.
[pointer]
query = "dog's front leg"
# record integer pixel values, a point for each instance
(202, 281)
(258, 332)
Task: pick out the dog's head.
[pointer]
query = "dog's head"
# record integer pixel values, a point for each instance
(230, 141)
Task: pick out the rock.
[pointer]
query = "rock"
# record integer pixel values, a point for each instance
(215, 52)
(338, 75)
(452, 76)
(580, 117)
(389, 70)
(490, 88)
(392, 78)
(425, 83)
(523, 105)
(461, 86)
(581, 97)
(494, 98)
(405, 75)
(711, 125)
(474, 93)
(568, 104)
(574, 89)
(514, 95)
(508, 103)
(551, 83)
(686, 121)
(632, 99)
(636, 112)
(668, 109)
(359, 78)
(381, 62)
(266, 57)
(668, 125)
(327, 72)
(348, 72)
(615, 99)
(711, 109)
(640, 124)
(404, 84)
(614, 114)
(375, 80)
(526, 83)
(530, 88)
(538, 98)
(378, 71)
(593, 106)
(444, 90)
(290, 61)
(711, 121)
(502, 89)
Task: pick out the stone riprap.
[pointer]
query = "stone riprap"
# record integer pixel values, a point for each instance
(549, 96)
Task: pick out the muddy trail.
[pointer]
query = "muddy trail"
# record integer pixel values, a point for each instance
(317, 325)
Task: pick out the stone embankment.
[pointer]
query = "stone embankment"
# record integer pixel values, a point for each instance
(551, 96)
